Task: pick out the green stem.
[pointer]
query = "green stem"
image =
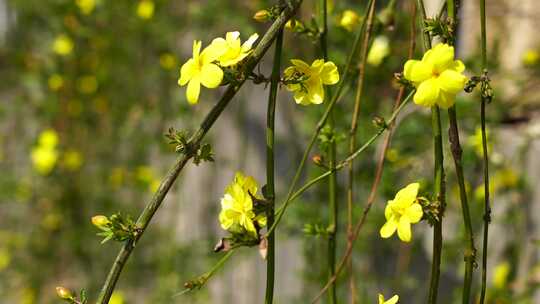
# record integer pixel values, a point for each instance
(335, 97)
(487, 207)
(332, 181)
(352, 134)
(150, 209)
(455, 147)
(270, 189)
(439, 186)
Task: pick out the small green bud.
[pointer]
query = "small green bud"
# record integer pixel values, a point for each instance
(317, 160)
(64, 293)
(379, 122)
(100, 221)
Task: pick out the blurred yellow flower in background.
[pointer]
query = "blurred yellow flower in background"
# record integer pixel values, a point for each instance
(392, 300)
(378, 51)
(55, 82)
(117, 177)
(62, 45)
(237, 213)
(72, 160)
(349, 20)
(87, 84)
(45, 155)
(307, 81)
(201, 69)
(531, 57)
(232, 49)
(145, 9)
(438, 78)
(500, 274)
(475, 141)
(117, 298)
(5, 258)
(86, 6)
(167, 61)
(401, 212)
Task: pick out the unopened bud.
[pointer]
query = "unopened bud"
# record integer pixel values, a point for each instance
(262, 16)
(63, 293)
(387, 18)
(379, 122)
(100, 221)
(317, 160)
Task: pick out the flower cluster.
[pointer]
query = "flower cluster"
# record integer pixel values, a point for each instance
(239, 214)
(306, 82)
(437, 77)
(205, 67)
(401, 212)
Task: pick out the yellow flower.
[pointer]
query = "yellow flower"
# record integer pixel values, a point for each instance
(117, 298)
(307, 81)
(237, 214)
(86, 6)
(392, 300)
(232, 49)
(437, 77)
(349, 20)
(62, 45)
(201, 70)
(72, 160)
(55, 82)
(48, 138)
(378, 51)
(145, 9)
(531, 57)
(500, 274)
(44, 159)
(401, 212)
(476, 142)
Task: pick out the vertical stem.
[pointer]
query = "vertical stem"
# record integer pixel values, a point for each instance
(332, 181)
(352, 137)
(439, 188)
(453, 135)
(269, 189)
(487, 208)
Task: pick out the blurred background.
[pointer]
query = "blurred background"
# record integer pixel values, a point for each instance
(89, 87)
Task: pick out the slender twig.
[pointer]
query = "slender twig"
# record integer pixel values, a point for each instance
(269, 188)
(335, 98)
(332, 179)
(455, 147)
(352, 138)
(487, 207)
(439, 184)
(166, 184)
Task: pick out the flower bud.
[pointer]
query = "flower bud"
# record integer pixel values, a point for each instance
(317, 160)
(379, 122)
(100, 221)
(262, 16)
(63, 293)
(349, 20)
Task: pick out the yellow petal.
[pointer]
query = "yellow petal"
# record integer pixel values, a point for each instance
(300, 97)
(406, 196)
(193, 90)
(458, 66)
(187, 71)
(428, 93)
(414, 213)
(381, 299)
(211, 76)
(317, 66)
(196, 50)
(451, 81)
(388, 228)
(446, 100)
(211, 53)
(301, 66)
(388, 211)
(392, 300)
(404, 229)
(315, 91)
(441, 57)
(417, 71)
(329, 73)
